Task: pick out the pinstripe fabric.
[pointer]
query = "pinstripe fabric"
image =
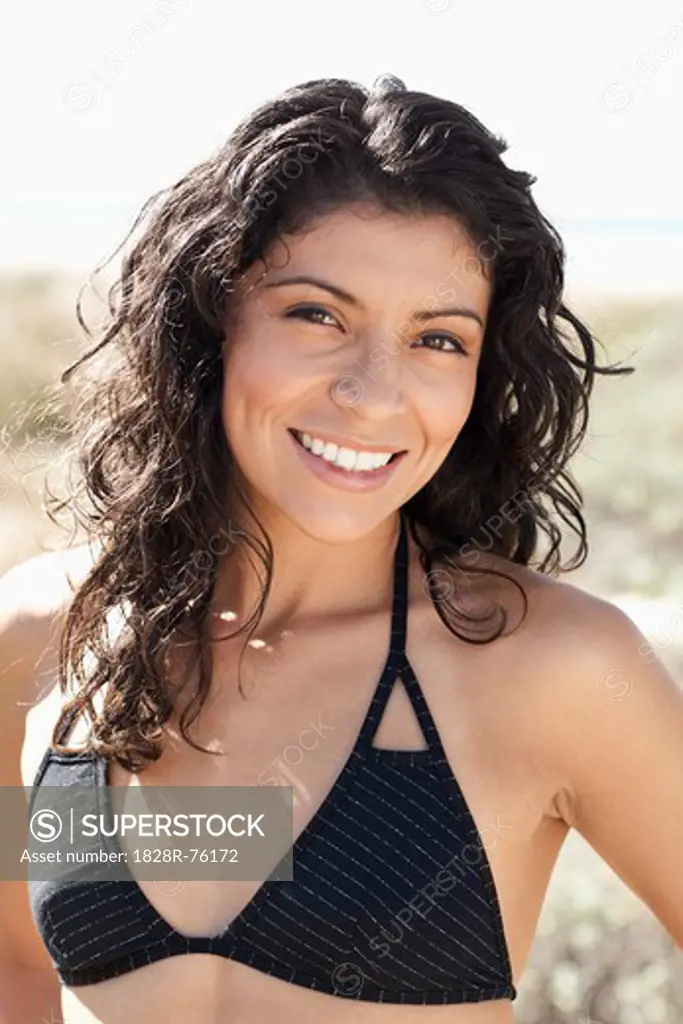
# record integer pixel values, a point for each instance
(393, 899)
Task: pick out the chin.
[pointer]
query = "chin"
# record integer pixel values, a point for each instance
(337, 522)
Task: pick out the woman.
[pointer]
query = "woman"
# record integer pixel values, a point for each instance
(323, 481)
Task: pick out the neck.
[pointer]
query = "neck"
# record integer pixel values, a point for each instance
(311, 578)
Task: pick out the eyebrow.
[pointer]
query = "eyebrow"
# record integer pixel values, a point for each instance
(340, 293)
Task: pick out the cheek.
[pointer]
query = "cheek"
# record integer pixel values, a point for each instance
(249, 383)
(263, 381)
(445, 409)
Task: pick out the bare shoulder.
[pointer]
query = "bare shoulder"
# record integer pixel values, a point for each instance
(601, 691)
(549, 622)
(568, 633)
(554, 609)
(566, 622)
(561, 671)
(34, 598)
(34, 595)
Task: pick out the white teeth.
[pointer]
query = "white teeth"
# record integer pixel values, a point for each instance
(365, 460)
(347, 458)
(329, 453)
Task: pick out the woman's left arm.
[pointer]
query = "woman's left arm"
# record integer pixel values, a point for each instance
(618, 734)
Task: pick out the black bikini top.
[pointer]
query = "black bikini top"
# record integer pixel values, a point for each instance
(393, 899)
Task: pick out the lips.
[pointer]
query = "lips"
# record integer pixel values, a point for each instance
(345, 479)
(344, 455)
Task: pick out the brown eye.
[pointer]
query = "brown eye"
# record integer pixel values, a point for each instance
(309, 313)
(458, 346)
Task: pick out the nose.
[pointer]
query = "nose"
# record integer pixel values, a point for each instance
(372, 384)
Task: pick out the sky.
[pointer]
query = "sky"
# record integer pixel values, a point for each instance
(105, 104)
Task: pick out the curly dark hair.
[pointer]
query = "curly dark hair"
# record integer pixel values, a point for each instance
(149, 441)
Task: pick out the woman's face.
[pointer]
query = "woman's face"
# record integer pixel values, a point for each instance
(360, 339)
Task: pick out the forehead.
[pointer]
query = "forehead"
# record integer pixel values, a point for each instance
(373, 253)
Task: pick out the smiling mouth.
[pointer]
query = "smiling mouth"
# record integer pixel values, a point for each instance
(347, 459)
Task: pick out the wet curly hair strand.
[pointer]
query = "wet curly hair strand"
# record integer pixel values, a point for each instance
(148, 437)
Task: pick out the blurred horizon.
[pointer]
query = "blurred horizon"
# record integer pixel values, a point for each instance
(606, 257)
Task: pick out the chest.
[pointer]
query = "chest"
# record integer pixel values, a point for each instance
(296, 721)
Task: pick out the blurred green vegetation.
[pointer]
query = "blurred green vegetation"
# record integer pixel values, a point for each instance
(39, 336)
(599, 954)
(631, 465)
